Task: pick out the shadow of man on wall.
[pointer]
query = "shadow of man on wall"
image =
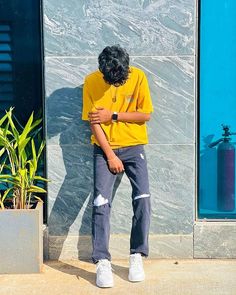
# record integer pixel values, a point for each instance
(71, 190)
(71, 196)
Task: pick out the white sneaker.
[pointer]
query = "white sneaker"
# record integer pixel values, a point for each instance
(136, 272)
(104, 277)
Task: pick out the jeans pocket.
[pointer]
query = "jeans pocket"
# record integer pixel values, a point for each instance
(97, 151)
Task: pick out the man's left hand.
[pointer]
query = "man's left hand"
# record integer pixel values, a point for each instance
(101, 115)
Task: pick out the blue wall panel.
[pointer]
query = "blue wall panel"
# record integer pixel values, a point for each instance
(217, 93)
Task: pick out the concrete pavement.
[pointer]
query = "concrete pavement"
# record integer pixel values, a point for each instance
(163, 277)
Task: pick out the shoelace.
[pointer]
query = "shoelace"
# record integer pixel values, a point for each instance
(136, 261)
(104, 266)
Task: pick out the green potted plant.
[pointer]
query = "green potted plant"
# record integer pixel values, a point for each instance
(21, 210)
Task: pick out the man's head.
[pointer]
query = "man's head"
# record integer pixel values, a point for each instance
(114, 64)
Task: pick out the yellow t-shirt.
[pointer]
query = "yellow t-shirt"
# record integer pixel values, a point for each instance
(133, 96)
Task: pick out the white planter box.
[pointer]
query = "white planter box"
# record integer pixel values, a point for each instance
(21, 240)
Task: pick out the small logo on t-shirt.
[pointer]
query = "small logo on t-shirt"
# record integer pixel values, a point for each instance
(129, 98)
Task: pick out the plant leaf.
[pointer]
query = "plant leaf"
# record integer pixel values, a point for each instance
(36, 189)
(27, 128)
(36, 123)
(2, 176)
(2, 120)
(2, 151)
(41, 178)
(13, 127)
(38, 198)
(41, 149)
(6, 193)
(34, 160)
(22, 145)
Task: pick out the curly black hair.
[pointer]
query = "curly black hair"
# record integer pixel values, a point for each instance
(114, 64)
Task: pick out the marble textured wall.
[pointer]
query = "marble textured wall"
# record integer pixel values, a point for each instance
(159, 35)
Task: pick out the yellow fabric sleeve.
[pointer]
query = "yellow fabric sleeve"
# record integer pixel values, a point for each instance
(87, 101)
(144, 103)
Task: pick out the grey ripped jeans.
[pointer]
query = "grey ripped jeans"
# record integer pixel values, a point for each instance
(135, 164)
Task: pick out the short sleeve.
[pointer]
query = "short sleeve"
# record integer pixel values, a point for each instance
(87, 101)
(144, 103)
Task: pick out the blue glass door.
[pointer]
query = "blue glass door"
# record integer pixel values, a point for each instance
(217, 109)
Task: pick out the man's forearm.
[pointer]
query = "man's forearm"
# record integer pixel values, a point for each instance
(102, 115)
(133, 117)
(102, 140)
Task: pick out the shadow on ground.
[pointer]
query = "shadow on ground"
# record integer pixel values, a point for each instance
(72, 270)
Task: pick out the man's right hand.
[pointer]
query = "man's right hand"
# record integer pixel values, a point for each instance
(115, 165)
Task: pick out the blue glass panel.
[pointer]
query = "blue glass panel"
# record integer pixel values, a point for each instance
(5, 47)
(217, 106)
(4, 37)
(5, 57)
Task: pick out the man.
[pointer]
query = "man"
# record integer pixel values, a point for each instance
(117, 103)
